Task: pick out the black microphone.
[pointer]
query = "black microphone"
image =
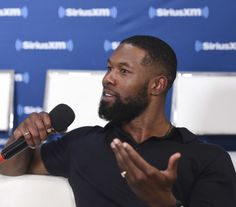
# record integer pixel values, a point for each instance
(61, 117)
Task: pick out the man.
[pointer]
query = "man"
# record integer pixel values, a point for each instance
(138, 159)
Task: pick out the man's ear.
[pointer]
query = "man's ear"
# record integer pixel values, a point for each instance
(159, 85)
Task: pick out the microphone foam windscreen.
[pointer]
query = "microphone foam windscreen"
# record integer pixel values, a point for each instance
(61, 117)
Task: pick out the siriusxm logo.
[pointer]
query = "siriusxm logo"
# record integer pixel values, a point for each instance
(28, 109)
(209, 46)
(14, 12)
(110, 45)
(50, 45)
(22, 77)
(94, 12)
(3, 141)
(185, 12)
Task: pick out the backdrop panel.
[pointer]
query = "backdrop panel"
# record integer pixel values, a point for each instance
(38, 35)
(6, 100)
(205, 102)
(81, 90)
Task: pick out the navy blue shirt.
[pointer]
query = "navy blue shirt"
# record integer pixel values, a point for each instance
(206, 176)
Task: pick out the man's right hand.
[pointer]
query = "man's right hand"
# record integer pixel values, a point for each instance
(35, 128)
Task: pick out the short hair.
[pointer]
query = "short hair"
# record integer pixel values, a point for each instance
(158, 51)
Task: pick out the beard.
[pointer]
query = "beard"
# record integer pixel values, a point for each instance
(124, 111)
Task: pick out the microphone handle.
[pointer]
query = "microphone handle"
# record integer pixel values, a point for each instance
(15, 147)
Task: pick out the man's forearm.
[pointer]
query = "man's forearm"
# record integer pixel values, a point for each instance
(17, 165)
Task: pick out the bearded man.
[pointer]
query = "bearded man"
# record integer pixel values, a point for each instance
(139, 158)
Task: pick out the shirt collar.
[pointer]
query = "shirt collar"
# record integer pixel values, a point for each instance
(179, 134)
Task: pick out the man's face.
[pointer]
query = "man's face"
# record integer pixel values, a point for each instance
(125, 85)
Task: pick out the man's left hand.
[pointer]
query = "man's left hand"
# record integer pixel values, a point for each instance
(150, 184)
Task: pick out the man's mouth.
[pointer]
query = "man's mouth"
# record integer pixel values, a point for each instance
(108, 96)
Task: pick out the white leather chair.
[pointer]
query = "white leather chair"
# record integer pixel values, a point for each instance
(36, 191)
(41, 190)
(233, 157)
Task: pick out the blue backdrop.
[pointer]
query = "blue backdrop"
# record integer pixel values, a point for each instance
(78, 34)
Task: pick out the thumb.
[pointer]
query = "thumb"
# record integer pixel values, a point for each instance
(173, 165)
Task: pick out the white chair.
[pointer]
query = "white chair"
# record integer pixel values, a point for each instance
(6, 101)
(205, 102)
(233, 157)
(36, 191)
(41, 191)
(60, 88)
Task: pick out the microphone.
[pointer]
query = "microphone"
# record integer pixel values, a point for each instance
(61, 117)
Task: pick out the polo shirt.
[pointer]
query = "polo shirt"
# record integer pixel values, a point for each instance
(206, 176)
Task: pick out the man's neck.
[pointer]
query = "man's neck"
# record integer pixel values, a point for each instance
(146, 126)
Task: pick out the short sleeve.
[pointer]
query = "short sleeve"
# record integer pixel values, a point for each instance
(216, 186)
(55, 157)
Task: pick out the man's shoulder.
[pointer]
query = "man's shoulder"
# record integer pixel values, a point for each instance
(186, 135)
(199, 146)
(84, 131)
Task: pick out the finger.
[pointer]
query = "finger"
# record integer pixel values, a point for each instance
(137, 159)
(144, 167)
(171, 170)
(41, 130)
(41, 126)
(22, 131)
(33, 125)
(46, 121)
(29, 140)
(120, 154)
(18, 131)
(123, 160)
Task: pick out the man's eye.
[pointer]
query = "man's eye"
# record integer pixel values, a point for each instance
(122, 70)
(108, 68)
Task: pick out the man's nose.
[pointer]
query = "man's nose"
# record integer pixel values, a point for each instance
(109, 78)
